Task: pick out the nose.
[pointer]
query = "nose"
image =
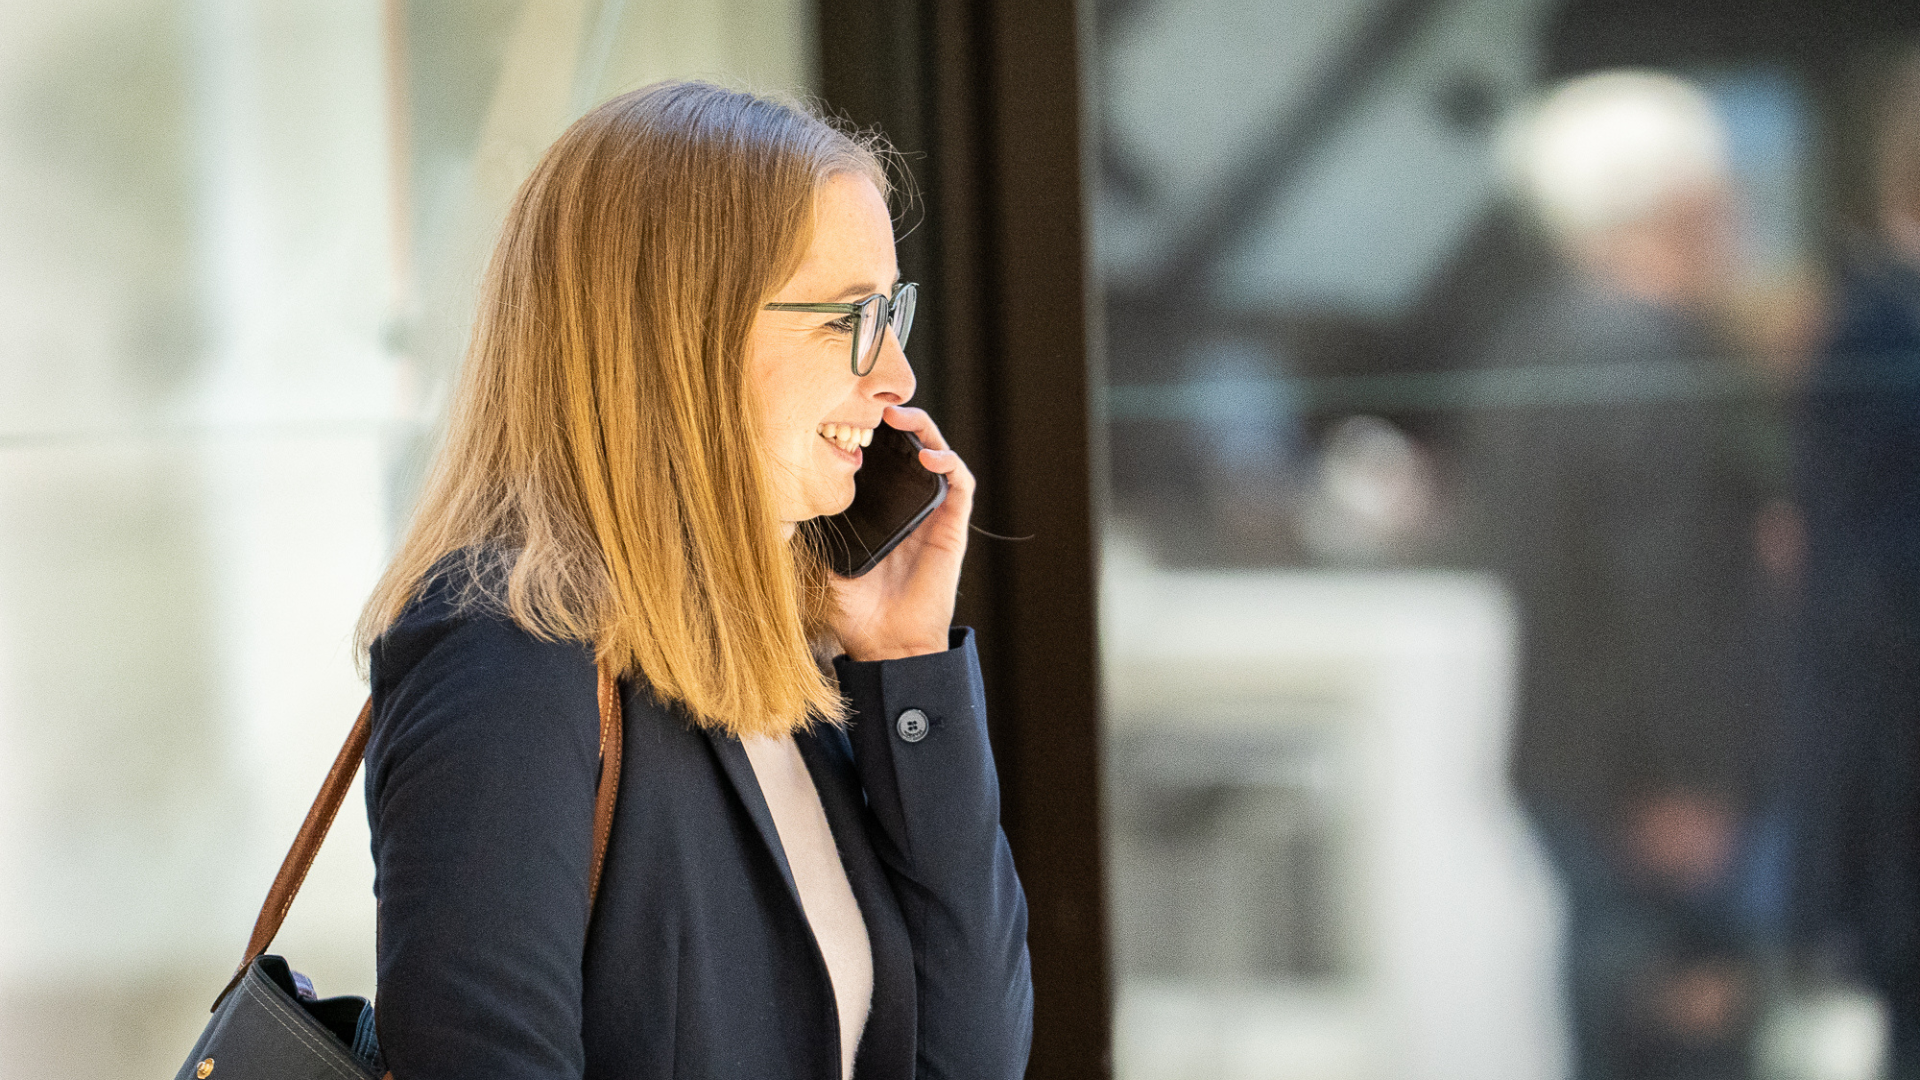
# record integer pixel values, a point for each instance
(891, 380)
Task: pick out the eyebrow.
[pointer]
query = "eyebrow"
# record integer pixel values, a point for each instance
(862, 291)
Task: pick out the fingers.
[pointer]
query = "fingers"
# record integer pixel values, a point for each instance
(934, 453)
(941, 461)
(919, 423)
(948, 464)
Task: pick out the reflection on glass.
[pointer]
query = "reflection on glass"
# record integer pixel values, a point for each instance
(1505, 540)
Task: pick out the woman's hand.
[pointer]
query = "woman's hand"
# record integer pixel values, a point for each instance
(904, 605)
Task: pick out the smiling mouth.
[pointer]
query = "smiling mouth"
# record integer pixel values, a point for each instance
(846, 437)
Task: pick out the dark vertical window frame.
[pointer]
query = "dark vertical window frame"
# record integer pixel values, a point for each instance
(982, 97)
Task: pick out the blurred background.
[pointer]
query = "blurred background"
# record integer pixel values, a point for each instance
(1472, 450)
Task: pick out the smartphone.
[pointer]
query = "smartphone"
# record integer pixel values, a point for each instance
(892, 494)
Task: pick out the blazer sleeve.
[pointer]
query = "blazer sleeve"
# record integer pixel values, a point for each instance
(937, 800)
(480, 786)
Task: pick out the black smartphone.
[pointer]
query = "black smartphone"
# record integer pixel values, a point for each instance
(892, 494)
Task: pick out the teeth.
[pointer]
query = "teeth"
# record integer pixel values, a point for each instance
(846, 436)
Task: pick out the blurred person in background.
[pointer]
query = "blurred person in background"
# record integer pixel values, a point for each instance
(1856, 769)
(1612, 491)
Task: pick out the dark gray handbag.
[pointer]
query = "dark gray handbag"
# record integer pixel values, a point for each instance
(268, 1024)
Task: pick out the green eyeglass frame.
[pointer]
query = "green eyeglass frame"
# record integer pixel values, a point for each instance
(869, 317)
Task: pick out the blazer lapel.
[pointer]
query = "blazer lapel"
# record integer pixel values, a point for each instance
(739, 772)
(887, 1047)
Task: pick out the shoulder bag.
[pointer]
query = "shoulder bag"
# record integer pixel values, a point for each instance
(268, 1024)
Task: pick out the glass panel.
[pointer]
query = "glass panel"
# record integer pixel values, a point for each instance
(1509, 422)
(240, 250)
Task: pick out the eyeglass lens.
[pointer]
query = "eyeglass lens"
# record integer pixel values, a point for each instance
(902, 321)
(875, 313)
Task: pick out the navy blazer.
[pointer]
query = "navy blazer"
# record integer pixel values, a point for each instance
(697, 960)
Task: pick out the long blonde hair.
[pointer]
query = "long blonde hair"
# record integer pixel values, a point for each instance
(602, 476)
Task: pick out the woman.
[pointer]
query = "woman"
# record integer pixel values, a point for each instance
(806, 876)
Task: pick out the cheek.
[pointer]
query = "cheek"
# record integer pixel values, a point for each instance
(779, 414)
(795, 392)
(799, 429)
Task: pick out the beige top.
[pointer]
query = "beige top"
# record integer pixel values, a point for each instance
(825, 896)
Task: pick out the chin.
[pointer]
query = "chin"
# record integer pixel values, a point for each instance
(829, 503)
(837, 505)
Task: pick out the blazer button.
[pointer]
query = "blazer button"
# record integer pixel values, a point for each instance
(913, 725)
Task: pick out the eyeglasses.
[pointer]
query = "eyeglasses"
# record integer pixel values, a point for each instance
(869, 316)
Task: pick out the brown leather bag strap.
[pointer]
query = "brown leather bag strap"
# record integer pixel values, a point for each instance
(293, 869)
(612, 733)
